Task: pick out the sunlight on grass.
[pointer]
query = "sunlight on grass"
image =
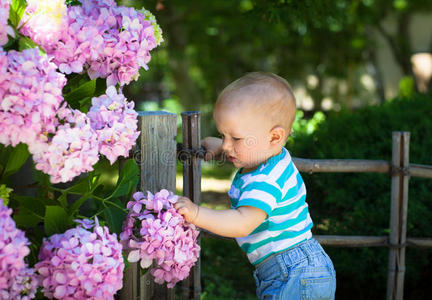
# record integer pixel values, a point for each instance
(208, 184)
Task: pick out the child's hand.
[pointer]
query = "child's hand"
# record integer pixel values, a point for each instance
(187, 209)
(213, 147)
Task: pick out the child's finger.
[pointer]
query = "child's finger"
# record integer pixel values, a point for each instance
(178, 205)
(208, 156)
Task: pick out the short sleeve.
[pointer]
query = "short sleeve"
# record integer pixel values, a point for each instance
(262, 194)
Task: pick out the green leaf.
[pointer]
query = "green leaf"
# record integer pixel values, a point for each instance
(4, 156)
(34, 204)
(100, 87)
(77, 204)
(26, 43)
(73, 81)
(17, 158)
(72, 2)
(82, 94)
(63, 199)
(125, 260)
(56, 220)
(85, 104)
(25, 218)
(127, 180)
(30, 211)
(82, 186)
(114, 216)
(16, 11)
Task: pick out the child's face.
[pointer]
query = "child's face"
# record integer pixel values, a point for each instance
(246, 136)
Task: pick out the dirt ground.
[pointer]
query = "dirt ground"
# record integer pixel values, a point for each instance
(213, 191)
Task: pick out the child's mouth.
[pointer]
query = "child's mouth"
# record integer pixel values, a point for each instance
(231, 158)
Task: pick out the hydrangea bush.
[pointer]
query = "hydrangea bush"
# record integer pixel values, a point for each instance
(106, 40)
(62, 68)
(97, 37)
(154, 231)
(85, 262)
(16, 278)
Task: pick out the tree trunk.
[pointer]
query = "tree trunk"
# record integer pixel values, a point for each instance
(375, 71)
(400, 44)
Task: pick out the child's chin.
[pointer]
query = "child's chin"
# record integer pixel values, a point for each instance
(237, 165)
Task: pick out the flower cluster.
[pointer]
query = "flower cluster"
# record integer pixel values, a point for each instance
(153, 230)
(107, 40)
(30, 95)
(64, 142)
(44, 21)
(5, 29)
(81, 264)
(115, 122)
(61, 140)
(16, 279)
(72, 150)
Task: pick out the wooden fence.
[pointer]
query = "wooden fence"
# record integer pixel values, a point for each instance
(157, 159)
(400, 171)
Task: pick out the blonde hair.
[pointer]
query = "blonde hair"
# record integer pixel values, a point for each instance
(268, 92)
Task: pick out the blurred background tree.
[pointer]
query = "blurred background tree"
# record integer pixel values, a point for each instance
(332, 52)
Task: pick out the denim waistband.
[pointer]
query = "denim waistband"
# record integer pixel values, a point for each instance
(295, 253)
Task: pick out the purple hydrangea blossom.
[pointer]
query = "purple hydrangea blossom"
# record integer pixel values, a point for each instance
(107, 40)
(114, 120)
(81, 264)
(154, 231)
(72, 150)
(5, 29)
(16, 279)
(30, 95)
(61, 140)
(44, 21)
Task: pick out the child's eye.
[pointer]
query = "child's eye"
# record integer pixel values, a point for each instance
(236, 138)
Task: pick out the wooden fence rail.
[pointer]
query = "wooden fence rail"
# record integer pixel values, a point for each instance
(356, 166)
(400, 171)
(368, 241)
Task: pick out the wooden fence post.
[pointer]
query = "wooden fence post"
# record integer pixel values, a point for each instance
(157, 162)
(192, 190)
(398, 215)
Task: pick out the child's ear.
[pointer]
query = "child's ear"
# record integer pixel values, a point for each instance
(277, 135)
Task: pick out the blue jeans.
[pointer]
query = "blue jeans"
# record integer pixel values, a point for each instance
(302, 272)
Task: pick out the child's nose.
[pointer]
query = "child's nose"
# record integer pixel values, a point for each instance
(226, 145)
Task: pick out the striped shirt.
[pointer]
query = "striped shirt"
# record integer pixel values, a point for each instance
(277, 188)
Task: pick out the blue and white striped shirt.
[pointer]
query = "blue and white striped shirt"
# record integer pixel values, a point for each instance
(277, 188)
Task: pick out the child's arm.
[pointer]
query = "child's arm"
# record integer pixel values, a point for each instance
(238, 222)
(213, 147)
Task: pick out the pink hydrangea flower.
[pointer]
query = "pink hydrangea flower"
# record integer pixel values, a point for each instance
(3, 72)
(30, 95)
(81, 264)
(5, 29)
(72, 150)
(44, 21)
(16, 279)
(114, 120)
(154, 231)
(106, 40)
